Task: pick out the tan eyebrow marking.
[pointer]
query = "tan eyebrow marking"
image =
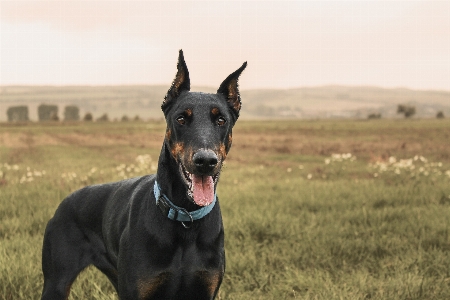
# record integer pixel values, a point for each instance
(215, 111)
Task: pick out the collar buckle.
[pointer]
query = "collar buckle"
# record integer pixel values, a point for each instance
(163, 205)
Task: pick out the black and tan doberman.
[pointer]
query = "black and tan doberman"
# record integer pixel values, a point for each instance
(158, 236)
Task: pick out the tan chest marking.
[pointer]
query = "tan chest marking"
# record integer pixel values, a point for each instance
(148, 287)
(211, 279)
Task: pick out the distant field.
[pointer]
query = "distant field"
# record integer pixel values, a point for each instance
(312, 209)
(304, 103)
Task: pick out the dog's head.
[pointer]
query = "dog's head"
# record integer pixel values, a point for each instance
(199, 130)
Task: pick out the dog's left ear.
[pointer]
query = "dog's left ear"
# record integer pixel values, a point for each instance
(180, 83)
(230, 89)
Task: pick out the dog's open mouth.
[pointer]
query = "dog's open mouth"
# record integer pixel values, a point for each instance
(200, 187)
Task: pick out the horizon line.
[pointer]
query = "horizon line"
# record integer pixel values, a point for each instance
(241, 89)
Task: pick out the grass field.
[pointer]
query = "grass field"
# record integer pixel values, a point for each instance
(312, 209)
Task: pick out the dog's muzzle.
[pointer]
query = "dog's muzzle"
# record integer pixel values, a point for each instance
(201, 182)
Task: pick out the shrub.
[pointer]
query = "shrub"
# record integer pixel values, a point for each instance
(88, 117)
(103, 118)
(48, 112)
(407, 110)
(17, 113)
(71, 113)
(374, 116)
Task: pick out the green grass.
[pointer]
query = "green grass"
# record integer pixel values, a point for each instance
(296, 227)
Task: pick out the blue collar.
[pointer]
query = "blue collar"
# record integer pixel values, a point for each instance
(177, 213)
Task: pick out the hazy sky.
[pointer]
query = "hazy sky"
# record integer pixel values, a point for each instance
(286, 43)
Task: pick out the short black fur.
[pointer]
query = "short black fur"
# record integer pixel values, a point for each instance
(118, 228)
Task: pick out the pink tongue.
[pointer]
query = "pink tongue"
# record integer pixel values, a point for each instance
(203, 190)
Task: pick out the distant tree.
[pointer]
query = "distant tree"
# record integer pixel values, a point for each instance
(136, 118)
(71, 113)
(407, 110)
(440, 115)
(374, 116)
(17, 113)
(88, 117)
(103, 118)
(48, 112)
(125, 118)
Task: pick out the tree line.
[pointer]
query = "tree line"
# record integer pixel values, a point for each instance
(48, 112)
(45, 113)
(407, 110)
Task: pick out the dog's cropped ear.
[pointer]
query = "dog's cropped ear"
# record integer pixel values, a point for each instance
(230, 89)
(180, 83)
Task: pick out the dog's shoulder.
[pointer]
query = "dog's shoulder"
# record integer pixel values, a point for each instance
(95, 197)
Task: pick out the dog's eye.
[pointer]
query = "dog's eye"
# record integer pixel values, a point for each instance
(181, 120)
(221, 121)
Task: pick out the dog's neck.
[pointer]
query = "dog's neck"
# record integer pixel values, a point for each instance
(170, 182)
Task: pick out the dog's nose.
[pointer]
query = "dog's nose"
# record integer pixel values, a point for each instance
(205, 160)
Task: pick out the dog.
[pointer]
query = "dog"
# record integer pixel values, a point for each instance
(157, 236)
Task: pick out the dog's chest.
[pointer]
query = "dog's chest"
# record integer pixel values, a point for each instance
(191, 274)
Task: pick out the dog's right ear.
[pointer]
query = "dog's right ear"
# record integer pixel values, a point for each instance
(180, 83)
